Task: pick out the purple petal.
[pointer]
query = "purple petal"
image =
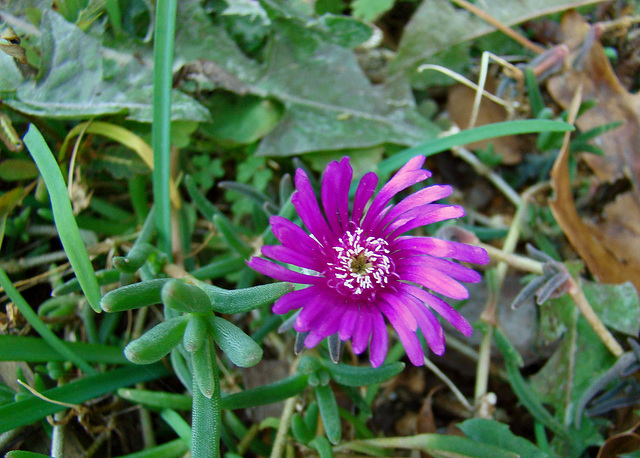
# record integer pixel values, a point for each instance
(318, 309)
(306, 204)
(450, 268)
(290, 256)
(407, 336)
(445, 310)
(428, 214)
(430, 327)
(329, 326)
(281, 273)
(293, 236)
(335, 193)
(423, 197)
(349, 322)
(433, 279)
(396, 300)
(362, 332)
(407, 176)
(379, 339)
(294, 300)
(365, 190)
(442, 248)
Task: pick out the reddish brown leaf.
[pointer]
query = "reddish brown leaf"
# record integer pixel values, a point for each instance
(609, 246)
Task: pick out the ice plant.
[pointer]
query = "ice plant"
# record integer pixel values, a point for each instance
(361, 267)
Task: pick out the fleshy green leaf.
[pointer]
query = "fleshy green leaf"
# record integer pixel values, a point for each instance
(365, 375)
(329, 412)
(182, 297)
(241, 349)
(203, 366)
(134, 296)
(195, 333)
(157, 342)
(246, 299)
(135, 258)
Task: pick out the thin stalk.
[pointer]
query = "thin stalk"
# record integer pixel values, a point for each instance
(442, 376)
(283, 427)
(206, 420)
(161, 127)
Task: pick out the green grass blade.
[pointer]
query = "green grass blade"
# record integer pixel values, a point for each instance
(63, 216)
(35, 350)
(93, 386)
(34, 320)
(161, 127)
(499, 129)
(174, 449)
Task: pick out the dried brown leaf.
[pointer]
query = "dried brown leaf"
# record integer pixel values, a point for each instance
(609, 247)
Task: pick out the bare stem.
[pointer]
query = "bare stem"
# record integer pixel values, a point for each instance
(576, 293)
(283, 427)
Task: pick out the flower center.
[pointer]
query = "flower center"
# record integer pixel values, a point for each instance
(362, 265)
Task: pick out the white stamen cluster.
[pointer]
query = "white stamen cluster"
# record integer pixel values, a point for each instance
(361, 264)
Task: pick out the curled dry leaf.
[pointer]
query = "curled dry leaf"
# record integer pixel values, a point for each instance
(610, 246)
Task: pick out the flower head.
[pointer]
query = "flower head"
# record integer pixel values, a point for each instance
(361, 268)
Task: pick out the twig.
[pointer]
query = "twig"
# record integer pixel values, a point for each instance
(283, 427)
(576, 293)
(500, 26)
(482, 170)
(442, 376)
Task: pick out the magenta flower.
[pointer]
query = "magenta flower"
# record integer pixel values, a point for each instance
(360, 266)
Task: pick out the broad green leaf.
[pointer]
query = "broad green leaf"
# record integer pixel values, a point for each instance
(495, 433)
(580, 359)
(341, 110)
(65, 90)
(370, 10)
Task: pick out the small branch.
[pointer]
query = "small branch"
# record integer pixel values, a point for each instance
(442, 376)
(500, 26)
(482, 170)
(283, 427)
(576, 293)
